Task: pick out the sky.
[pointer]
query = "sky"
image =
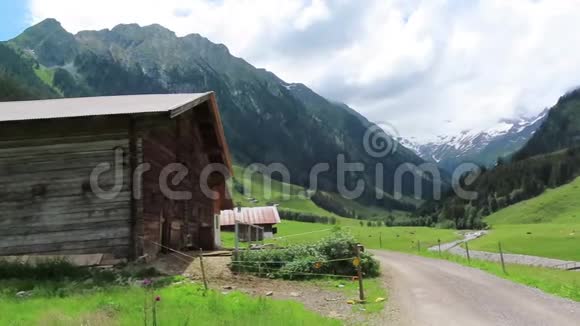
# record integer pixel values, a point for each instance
(428, 67)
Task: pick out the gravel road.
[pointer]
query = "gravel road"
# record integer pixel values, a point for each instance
(425, 291)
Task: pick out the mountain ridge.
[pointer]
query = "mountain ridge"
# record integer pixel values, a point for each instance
(480, 147)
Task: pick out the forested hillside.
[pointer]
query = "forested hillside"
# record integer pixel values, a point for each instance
(561, 129)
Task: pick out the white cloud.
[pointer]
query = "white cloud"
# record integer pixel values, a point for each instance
(416, 63)
(316, 11)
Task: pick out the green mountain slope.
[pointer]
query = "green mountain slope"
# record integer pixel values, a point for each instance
(266, 119)
(19, 77)
(559, 205)
(560, 130)
(547, 225)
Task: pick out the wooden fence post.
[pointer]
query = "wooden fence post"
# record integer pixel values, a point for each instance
(439, 245)
(501, 258)
(381, 240)
(202, 268)
(467, 251)
(237, 245)
(361, 293)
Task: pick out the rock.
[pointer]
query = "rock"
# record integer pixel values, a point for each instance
(143, 259)
(23, 294)
(294, 294)
(340, 286)
(334, 314)
(227, 287)
(269, 293)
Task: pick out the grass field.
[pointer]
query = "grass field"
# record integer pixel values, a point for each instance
(561, 241)
(393, 238)
(557, 282)
(183, 304)
(547, 226)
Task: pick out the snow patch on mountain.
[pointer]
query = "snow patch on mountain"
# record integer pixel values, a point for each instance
(469, 143)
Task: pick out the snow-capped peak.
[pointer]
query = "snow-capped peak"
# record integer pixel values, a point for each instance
(470, 143)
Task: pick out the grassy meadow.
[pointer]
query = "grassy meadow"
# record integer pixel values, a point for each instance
(547, 225)
(180, 304)
(392, 238)
(561, 283)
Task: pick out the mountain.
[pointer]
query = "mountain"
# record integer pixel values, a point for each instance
(550, 159)
(561, 129)
(480, 147)
(266, 119)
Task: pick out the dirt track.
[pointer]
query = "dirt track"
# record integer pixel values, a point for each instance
(426, 291)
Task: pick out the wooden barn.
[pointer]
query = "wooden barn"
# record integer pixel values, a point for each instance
(264, 217)
(58, 156)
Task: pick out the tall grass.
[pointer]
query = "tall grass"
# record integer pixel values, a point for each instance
(181, 304)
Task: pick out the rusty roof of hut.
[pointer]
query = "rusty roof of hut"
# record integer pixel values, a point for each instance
(175, 104)
(250, 215)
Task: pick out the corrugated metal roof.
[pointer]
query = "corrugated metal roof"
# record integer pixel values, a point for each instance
(250, 215)
(102, 105)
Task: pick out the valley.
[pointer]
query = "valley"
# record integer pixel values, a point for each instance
(522, 193)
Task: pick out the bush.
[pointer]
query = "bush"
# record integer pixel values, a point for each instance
(446, 224)
(331, 255)
(53, 270)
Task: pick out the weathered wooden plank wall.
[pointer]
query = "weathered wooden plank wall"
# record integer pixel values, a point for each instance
(46, 203)
(48, 207)
(158, 152)
(175, 223)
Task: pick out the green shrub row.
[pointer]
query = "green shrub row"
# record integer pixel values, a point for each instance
(332, 255)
